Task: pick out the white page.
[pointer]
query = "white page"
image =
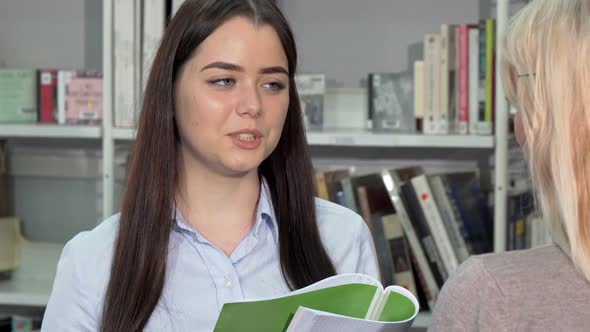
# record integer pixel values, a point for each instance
(308, 320)
(337, 280)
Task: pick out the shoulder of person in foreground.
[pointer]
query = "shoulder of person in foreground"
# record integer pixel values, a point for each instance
(82, 274)
(347, 239)
(459, 305)
(479, 295)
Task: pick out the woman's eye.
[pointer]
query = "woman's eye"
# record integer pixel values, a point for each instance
(275, 86)
(223, 82)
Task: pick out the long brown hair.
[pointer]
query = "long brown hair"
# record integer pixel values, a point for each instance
(139, 260)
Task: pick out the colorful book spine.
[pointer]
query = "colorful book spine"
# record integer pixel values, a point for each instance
(419, 96)
(435, 223)
(481, 126)
(124, 63)
(449, 217)
(84, 101)
(473, 78)
(490, 70)
(18, 95)
(47, 96)
(447, 75)
(427, 276)
(64, 77)
(463, 118)
(432, 50)
(154, 21)
(400, 254)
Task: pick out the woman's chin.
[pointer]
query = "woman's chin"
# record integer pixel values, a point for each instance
(239, 169)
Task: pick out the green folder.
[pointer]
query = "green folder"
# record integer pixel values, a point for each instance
(350, 295)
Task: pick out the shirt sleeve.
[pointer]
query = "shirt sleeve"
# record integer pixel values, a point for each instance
(367, 258)
(470, 300)
(70, 307)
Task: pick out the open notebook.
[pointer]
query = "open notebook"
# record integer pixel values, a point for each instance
(336, 303)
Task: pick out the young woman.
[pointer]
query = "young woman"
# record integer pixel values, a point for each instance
(547, 77)
(219, 202)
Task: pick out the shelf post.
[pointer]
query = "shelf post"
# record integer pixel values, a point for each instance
(501, 146)
(108, 143)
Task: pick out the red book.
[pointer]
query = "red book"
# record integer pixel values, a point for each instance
(48, 95)
(463, 117)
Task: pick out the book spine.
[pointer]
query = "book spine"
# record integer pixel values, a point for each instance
(419, 95)
(490, 72)
(84, 100)
(482, 127)
(137, 54)
(449, 218)
(322, 186)
(47, 96)
(458, 216)
(18, 95)
(392, 184)
(464, 79)
(419, 222)
(64, 77)
(402, 267)
(370, 98)
(430, 297)
(473, 78)
(446, 58)
(154, 20)
(435, 223)
(457, 83)
(432, 83)
(124, 62)
(349, 194)
(382, 249)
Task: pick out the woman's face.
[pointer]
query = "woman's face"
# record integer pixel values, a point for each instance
(231, 98)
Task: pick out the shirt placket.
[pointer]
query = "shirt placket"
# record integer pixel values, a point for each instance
(225, 278)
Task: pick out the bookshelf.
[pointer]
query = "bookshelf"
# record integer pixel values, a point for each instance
(360, 138)
(31, 283)
(367, 139)
(49, 131)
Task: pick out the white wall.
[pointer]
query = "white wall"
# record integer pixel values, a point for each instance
(45, 33)
(346, 39)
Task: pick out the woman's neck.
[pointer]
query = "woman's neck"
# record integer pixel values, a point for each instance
(221, 208)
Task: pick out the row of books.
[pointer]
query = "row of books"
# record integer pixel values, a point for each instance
(423, 225)
(450, 91)
(458, 72)
(50, 96)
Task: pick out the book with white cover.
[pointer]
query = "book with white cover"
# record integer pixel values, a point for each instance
(124, 65)
(154, 22)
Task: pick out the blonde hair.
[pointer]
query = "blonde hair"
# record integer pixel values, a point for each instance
(546, 74)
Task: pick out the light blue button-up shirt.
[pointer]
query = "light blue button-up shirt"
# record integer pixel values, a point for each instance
(200, 277)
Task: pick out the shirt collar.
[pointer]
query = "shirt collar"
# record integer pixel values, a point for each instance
(264, 214)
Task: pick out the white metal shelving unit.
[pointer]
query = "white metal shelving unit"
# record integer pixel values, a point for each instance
(49, 131)
(33, 283)
(367, 139)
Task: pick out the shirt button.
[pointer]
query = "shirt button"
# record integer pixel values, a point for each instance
(227, 282)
